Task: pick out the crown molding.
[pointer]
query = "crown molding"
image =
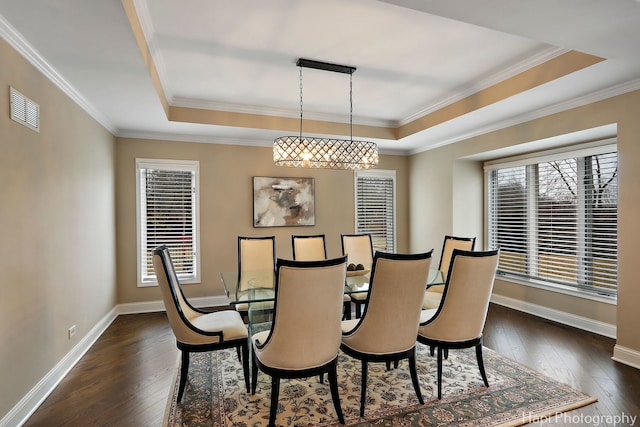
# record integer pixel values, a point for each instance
(185, 137)
(591, 98)
(504, 74)
(149, 32)
(515, 69)
(277, 112)
(24, 48)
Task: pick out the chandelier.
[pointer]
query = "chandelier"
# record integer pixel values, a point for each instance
(325, 153)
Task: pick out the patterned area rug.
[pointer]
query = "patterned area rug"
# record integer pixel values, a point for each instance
(215, 394)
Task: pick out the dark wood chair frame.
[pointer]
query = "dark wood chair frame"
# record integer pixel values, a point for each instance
(346, 309)
(244, 313)
(443, 347)
(365, 358)
(357, 302)
(308, 236)
(444, 245)
(241, 345)
(276, 374)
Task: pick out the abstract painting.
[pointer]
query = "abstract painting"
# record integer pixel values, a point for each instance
(283, 202)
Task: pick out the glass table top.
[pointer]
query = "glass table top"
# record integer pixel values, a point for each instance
(258, 286)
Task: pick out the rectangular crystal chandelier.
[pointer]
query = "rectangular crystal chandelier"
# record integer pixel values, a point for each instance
(325, 153)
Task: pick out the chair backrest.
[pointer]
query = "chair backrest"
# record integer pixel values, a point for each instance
(256, 260)
(309, 247)
(451, 243)
(390, 321)
(465, 301)
(306, 330)
(179, 311)
(358, 248)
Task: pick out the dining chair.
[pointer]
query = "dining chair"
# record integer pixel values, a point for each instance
(196, 330)
(313, 247)
(387, 330)
(359, 250)
(256, 267)
(433, 294)
(459, 320)
(304, 338)
(310, 247)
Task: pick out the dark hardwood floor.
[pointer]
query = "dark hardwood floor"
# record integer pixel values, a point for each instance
(124, 379)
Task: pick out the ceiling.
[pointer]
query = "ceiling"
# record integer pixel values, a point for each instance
(429, 72)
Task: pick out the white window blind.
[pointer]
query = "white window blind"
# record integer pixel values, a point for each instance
(168, 213)
(375, 207)
(555, 218)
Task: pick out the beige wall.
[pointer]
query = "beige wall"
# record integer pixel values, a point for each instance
(226, 205)
(444, 178)
(57, 255)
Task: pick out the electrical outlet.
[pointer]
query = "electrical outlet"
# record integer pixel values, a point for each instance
(72, 331)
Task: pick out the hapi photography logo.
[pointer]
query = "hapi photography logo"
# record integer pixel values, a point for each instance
(581, 419)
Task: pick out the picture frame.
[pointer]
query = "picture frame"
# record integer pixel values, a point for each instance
(283, 201)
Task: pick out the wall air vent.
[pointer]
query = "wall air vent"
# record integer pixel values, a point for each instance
(24, 110)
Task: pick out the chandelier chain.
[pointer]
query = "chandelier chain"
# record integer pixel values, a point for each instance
(300, 103)
(351, 107)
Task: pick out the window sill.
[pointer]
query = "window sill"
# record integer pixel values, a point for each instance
(566, 290)
(155, 284)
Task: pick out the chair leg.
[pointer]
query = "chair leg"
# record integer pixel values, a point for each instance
(414, 377)
(439, 372)
(254, 374)
(431, 350)
(396, 363)
(333, 385)
(481, 364)
(346, 311)
(446, 353)
(363, 387)
(359, 307)
(184, 372)
(275, 391)
(245, 362)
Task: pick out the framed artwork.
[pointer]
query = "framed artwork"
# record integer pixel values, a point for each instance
(283, 202)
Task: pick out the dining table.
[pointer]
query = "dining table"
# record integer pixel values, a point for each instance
(257, 287)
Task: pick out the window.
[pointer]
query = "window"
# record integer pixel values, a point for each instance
(167, 201)
(375, 207)
(555, 218)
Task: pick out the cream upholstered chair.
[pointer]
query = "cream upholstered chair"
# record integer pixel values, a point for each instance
(433, 294)
(305, 335)
(387, 330)
(311, 247)
(314, 248)
(256, 267)
(195, 330)
(459, 320)
(359, 250)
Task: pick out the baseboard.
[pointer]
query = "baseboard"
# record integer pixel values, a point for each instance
(626, 355)
(584, 323)
(154, 306)
(21, 412)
